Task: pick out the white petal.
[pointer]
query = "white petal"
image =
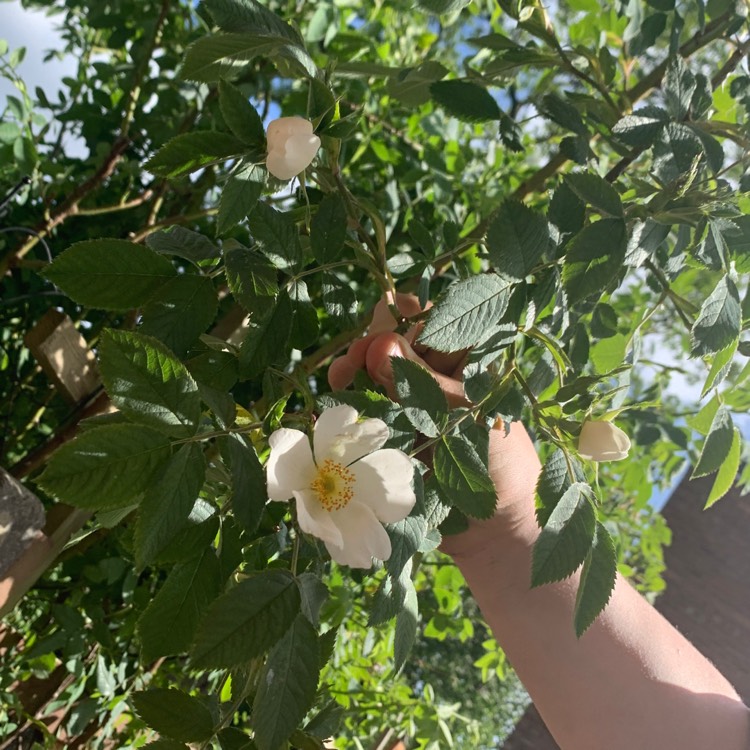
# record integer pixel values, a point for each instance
(383, 482)
(363, 537)
(602, 441)
(301, 150)
(278, 166)
(359, 439)
(329, 428)
(314, 519)
(290, 466)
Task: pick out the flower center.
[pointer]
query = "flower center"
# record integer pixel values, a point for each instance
(334, 485)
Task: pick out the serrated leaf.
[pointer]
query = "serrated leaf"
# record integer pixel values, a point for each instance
(701, 422)
(287, 686)
(517, 239)
(305, 326)
(554, 481)
(167, 626)
(412, 85)
(720, 367)
(189, 152)
(184, 308)
(267, 341)
(109, 274)
(406, 628)
(406, 538)
(247, 620)
(609, 353)
(465, 100)
(420, 395)
(645, 239)
(463, 477)
(276, 234)
(339, 299)
(184, 243)
(239, 196)
(313, 595)
(679, 85)
(717, 445)
(251, 279)
(596, 192)
(174, 713)
(148, 383)
(593, 259)
(250, 17)
(720, 319)
(727, 471)
(212, 58)
(566, 538)
(328, 229)
(442, 7)
(249, 494)
(676, 150)
(566, 210)
(597, 580)
(563, 113)
(105, 467)
(167, 503)
(462, 317)
(241, 117)
(642, 127)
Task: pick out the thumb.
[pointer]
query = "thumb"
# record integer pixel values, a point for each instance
(378, 363)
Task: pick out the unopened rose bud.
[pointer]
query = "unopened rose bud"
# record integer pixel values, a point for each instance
(602, 441)
(292, 145)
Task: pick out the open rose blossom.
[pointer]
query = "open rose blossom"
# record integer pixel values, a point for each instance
(602, 441)
(292, 145)
(346, 487)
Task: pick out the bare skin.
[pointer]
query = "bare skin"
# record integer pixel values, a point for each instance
(632, 681)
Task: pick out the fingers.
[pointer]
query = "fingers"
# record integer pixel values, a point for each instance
(378, 362)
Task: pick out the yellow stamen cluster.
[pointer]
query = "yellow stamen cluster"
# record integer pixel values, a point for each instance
(334, 485)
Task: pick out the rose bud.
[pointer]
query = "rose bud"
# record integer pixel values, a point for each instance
(292, 145)
(602, 441)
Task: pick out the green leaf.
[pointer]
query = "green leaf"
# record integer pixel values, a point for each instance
(462, 476)
(462, 317)
(727, 471)
(717, 445)
(720, 319)
(189, 152)
(167, 626)
(609, 353)
(645, 239)
(339, 299)
(596, 192)
(420, 395)
(406, 628)
(412, 85)
(566, 538)
(566, 211)
(162, 744)
(594, 258)
(517, 239)
(287, 686)
(305, 326)
(679, 85)
(676, 152)
(442, 7)
(212, 58)
(249, 495)
(246, 621)
(105, 467)
(597, 580)
(465, 100)
(328, 229)
(554, 481)
(701, 422)
(184, 308)
(239, 196)
(251, 279)
(250, 17)
(148, 383)
(167, 504)
(109, 274)
(406, 538)
(313, 595)
(642, 127)
(241, 117)
(277, 236)
(183, 243)
(174, 713)
(267, 342)
(564, 114)
(720, 367)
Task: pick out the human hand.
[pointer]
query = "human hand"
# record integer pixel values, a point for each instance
(513, 463)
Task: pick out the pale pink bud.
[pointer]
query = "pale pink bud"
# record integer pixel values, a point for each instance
(602, 441)
(292, 146)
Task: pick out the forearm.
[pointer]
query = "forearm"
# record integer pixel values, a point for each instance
(631, 681)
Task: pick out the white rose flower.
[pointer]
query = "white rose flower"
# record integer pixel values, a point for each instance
(292, 145)
(602, 441)
(348, 488)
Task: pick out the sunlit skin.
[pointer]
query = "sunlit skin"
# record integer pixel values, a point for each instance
(632, 680)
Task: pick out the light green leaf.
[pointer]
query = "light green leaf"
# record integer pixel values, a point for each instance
(239, 196)
(189, 152)
(241, 117)
(287, 686)
(109, 274)
(328, 229)
(167, 626)
(720, 319)
(566, 538)
(727, 471)
(276, 234)
(175, 714)
(183, 243)
(465, 100)
(607, 354)
(463, 477)
(597, 580)
(412, 85)
(148, 383)
(594, 258)
(720, 367)
(517, 239)
(701, 422)
(596, 192)
(105, 467)
(406, 628)
(442, 7)
(717, 445)
(462, 317)
(249, 494)
(420, 395)
(554, 481)
(167, 504)
(251, 279)
(246, 621)
(184, 308)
